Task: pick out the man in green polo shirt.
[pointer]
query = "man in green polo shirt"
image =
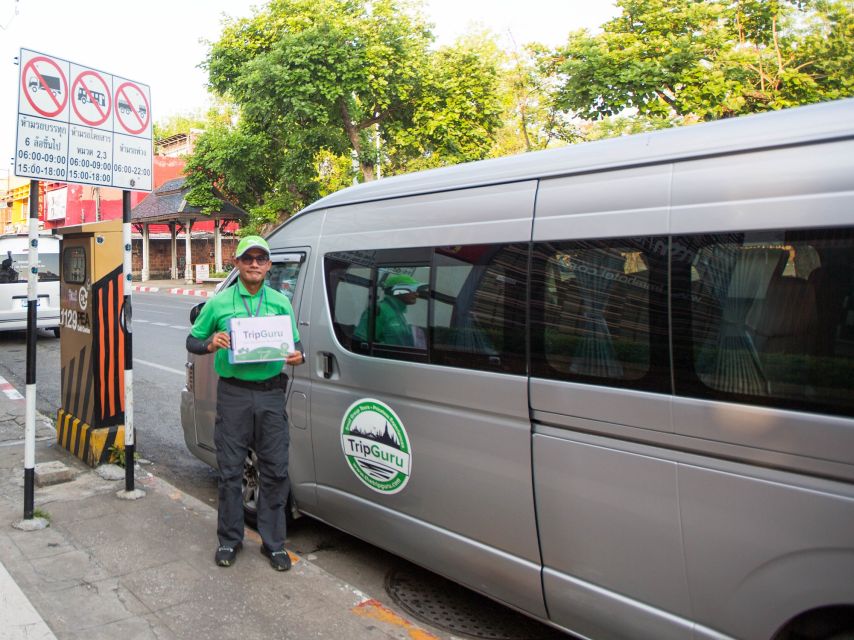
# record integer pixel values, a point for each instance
(250, 406)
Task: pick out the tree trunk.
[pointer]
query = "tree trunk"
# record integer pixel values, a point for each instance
(353, 134)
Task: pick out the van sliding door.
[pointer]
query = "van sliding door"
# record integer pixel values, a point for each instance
(419, 409)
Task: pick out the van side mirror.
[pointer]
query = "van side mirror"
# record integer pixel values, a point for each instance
(195, 311)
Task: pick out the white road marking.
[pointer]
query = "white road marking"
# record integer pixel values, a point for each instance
(180, 372)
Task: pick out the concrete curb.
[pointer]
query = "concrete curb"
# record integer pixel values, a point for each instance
(204, 293)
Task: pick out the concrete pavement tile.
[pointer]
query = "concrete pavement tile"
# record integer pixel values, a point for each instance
(146, 627)
(271, 590)
(219, 616)
(131, 553)
(41, 544)
(66, 570)
(83, 509)
(166, 585)
(88, 605)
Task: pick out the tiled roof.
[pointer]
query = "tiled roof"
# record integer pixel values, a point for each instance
(168, 203)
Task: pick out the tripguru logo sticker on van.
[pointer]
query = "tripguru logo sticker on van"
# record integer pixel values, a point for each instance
(376, 445)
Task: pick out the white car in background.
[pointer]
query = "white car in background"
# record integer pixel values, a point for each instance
(14, 266)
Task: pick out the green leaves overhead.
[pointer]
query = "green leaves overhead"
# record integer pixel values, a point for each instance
(711, 59)
(319, 93)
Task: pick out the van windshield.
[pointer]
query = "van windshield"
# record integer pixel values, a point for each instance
(14, 266)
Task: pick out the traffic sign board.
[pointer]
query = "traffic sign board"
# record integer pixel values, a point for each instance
(91, 99)
(78, 124)
(44, 86)
(132, 108)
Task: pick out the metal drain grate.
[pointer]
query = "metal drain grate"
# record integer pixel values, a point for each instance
(447, 605)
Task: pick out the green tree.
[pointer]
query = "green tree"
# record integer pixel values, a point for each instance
(457, 114)
(322, 84)
(709, 58)
(532, 119)
(319, 74)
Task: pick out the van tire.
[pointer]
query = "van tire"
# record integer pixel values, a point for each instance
(55, 332)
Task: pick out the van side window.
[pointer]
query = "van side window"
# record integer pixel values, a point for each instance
(599, 312)
(349, 285)
(462, 306)
(479, 307)
(397, 318)
(766, 318)
(283, 277)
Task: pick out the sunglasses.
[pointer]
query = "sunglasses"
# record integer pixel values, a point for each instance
(260, 260)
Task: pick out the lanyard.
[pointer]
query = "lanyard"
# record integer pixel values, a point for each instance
(257, 309)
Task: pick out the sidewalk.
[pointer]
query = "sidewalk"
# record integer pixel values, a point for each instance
(179, 287)
(107, 568)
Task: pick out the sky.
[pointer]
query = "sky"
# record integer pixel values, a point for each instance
(159, 42)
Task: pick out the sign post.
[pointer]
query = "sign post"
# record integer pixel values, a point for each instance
(82, 125)
(32, 301)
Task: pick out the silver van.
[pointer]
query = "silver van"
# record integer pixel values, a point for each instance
(610, 386)
(14, 269)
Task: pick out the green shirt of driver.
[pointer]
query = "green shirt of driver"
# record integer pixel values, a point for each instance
(237, 302)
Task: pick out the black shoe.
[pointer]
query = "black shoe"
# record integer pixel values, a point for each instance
(279, 560)
(225, 556)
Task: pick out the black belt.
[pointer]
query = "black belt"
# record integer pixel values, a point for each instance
(276, 382)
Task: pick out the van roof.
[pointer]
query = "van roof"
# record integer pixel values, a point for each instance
(814, 123)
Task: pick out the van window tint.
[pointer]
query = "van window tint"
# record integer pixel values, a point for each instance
(457, 306)
(599, 312)
(398, 315)
(348, 285)
(766, 318)
(479, 307)
(14, 267)
(283, 277)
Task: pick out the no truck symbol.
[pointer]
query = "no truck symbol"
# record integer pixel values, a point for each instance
(45, 86)
(132, 108)
(90, 98)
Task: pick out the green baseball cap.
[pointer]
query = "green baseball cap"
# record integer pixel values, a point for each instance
(398, 283)
(251, 242)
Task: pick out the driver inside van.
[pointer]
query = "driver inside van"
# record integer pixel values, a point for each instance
(391, 325)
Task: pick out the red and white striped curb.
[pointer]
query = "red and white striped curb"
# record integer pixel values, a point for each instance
(10, 391)
(204, 293)
(192, 292)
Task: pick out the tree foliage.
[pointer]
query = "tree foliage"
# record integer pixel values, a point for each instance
(709, 58)
(317, 94)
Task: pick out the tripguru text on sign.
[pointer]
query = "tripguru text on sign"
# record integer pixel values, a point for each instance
(77, 124)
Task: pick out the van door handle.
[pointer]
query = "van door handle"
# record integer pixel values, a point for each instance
(327, 363)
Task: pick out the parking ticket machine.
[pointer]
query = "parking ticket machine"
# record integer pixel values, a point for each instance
(90, 421)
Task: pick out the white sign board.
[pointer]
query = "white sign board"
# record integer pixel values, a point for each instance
(56, 201)
(81, 125)
(260, 339)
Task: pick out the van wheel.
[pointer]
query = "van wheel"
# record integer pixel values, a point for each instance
(55, 332)
(250, 490)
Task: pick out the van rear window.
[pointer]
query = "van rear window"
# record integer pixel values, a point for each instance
(14, 267)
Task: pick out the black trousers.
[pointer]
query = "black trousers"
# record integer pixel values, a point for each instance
(251, 418)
